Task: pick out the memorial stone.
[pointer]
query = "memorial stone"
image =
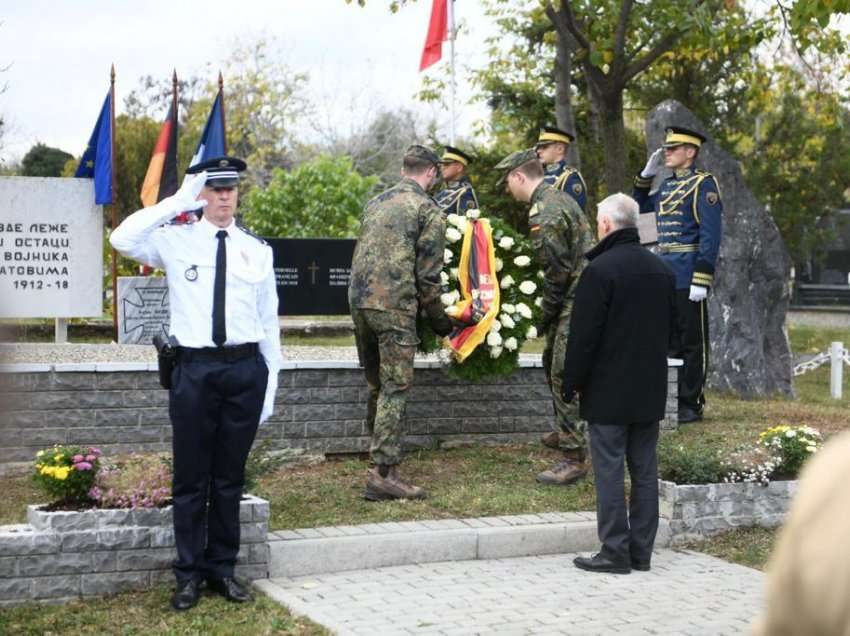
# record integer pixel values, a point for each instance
(142, 308)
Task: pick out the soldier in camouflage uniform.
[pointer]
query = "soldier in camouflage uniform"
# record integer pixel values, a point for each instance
(457, 196)
(551, 148)
(395, 272)
(561, 235)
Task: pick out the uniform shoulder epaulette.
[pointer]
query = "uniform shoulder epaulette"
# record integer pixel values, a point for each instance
(249, 232)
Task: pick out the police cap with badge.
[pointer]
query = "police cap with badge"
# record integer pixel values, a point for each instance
(551, 135)
(455, 155)
(222, 172)
(677, 136)
(514, 161)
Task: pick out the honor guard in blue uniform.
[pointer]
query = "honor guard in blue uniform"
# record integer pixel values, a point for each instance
(457, 196)
(688, 213)
(551, 147)
(224, 327)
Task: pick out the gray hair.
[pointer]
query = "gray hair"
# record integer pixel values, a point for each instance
(621, 210)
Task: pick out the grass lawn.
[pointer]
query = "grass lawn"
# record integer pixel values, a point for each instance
(149, 614)
(745, 546)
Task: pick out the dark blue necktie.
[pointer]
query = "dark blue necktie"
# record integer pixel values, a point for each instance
(219, 332)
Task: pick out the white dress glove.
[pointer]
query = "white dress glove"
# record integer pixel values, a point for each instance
(653, 164)
(698, 293)
(186, 198)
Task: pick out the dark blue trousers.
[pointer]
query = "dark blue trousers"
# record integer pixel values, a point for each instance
(626, 534)
(215, 407)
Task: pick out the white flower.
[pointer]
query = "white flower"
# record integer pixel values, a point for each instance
(511, 344)
(531, 334)
(447, 256)
(454, 272)
(527, 287)
(811, 449)
(506, 282)
(494, 339)
(540, 274)
(452, 219)
(448, 298)
(791, 433)
(508, 308)
(452, 235)
(499, 264)
(458, 221)
(524, 310)
(473, 214)
(506, 243)
(522, 261)
(495, 326)
(538, 302)
(495, 352)
(507, 321)
(444, 278)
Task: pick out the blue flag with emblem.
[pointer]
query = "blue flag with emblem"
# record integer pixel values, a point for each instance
(97, 159)
(212, 143)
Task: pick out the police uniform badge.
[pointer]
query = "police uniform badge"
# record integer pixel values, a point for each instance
(711, 197)
(191, 273)
(577, 188)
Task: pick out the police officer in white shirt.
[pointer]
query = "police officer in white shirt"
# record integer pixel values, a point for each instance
(223, 300)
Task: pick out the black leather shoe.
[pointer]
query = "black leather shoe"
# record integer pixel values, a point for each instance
(642, 566)
(599, 563)
(687, 415)
(186, 595)
(231, 589)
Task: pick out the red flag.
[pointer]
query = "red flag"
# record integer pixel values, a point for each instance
(437, 32)
(161, 178)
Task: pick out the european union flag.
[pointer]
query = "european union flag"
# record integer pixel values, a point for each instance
(212, 143)
(97, 159)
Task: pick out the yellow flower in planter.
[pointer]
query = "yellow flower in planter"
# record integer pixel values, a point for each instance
(62, 473)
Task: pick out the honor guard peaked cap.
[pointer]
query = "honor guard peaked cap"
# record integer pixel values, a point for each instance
(551, 135)
(452, 154)
(676, 136)
(514, 161)
(222, 172)
(423, 153)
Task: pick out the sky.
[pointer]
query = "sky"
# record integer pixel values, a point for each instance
(59, 53)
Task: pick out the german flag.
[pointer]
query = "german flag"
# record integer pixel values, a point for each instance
(161, 178)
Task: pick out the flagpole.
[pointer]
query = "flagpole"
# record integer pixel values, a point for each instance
(451, 9)
(223, 121)
(114, 205)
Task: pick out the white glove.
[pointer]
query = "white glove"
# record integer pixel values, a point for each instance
(653, 164)
(186, 198)
(698, 293)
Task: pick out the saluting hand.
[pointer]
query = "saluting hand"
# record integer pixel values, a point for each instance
(653, 164)
(186, 198)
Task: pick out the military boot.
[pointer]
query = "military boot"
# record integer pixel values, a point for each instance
(569, 471)
(551, 440)
(390, 487)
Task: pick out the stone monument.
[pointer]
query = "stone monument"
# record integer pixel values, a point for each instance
(750, 355)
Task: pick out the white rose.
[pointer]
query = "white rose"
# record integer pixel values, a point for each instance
(527, 287)
(452, 219)
(452, 235)
(499, 264)
(495, 326)
(531, 334)
(454, 272)
(511, 344)
(447, 256)
(495, 352)
(473, 214)
(494, 339)
(506, 282)
(538, 302)
(508, 308)
(540, 274)
(507, 321)
(506, 243)
(447, 299)
(524, 310)
(522, 261)
(444, 278)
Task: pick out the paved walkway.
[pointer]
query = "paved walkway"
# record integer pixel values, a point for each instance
(684, 593)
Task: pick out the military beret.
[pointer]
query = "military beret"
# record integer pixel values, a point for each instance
(450, 154)
(514, 161)
(676, 136)
(222, 172)
(422, 152)
(550, 134)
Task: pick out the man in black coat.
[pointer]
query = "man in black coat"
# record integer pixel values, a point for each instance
(616, 366)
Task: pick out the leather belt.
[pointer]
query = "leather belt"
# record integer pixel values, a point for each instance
(218, 354)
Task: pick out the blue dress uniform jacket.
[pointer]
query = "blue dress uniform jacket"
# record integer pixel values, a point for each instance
(689, 220)
(457, 197)
(569, 180)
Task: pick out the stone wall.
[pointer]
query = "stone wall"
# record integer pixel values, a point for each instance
(320, 407)
(65, 555)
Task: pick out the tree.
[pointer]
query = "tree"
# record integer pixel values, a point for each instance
(44, 161)
(320, 198)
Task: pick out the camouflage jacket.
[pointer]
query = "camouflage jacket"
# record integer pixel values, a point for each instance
(399, 253)
(560, 234)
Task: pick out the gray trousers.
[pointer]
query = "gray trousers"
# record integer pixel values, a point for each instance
(626, 534)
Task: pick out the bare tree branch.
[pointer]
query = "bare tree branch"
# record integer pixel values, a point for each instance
(622, 23)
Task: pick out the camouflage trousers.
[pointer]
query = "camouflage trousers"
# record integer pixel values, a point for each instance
(386, 344)
(571, 429)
